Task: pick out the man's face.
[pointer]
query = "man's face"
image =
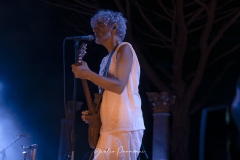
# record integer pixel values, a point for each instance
(102, 32)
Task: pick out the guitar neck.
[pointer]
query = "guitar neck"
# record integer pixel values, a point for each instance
(88, 95)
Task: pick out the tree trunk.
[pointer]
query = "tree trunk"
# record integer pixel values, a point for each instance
(179, 133)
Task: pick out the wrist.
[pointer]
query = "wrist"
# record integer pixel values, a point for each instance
(90, 76)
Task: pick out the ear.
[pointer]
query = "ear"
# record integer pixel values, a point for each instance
(114, 26)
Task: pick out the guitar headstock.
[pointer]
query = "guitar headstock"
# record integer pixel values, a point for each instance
(81, 53)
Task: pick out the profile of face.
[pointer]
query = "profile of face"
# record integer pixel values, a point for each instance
(102, 32)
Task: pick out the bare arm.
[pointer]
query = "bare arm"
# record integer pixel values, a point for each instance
(115, 83)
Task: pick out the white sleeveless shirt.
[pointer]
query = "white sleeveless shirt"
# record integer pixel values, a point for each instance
(122, 112)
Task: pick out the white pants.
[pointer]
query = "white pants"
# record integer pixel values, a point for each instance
(119, 145)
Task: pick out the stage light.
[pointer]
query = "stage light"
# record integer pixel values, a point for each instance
(10, 129)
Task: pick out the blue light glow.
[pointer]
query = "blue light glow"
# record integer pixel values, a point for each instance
(9, 128)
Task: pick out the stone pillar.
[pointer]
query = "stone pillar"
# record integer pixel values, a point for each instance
(160, 102)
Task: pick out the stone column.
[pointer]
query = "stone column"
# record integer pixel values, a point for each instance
(160, 102)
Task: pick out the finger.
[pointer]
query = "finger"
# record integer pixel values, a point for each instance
(83, 63)
(88, 118)
(85, 120)
(85, 112)
(83, 117)
(73, 66)
(73, 70)
(84, 46)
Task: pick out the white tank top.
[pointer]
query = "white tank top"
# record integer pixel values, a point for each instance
(122, 112)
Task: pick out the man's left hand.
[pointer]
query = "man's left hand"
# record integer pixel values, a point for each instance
(82, 71)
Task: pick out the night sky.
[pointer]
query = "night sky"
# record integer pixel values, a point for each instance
(31, 79)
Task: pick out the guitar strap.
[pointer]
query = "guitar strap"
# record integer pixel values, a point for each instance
(105, 75)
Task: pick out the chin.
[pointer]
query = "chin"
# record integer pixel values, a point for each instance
(97, 41)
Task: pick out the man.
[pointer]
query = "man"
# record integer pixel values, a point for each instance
(121, 115)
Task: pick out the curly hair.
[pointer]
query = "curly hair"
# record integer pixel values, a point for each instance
(109, 17)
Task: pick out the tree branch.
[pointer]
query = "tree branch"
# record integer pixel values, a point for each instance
(128, 14)
(226, 16)
(164, 8)
(202, 4)
(225, 54)
(70, 7)
(217, 20)
(174, 4)
(210, 89)
(222, 30)
(152, 76)
(180, 49)
(151, 36)
(173, 31)
(226, 11)
(150, 24)
(226, 2)
(192, 48)
(161, 46)
(216, 59)
(163, 70)
(159, 15)
(195, 16)
(204, 52)
(120, 7)
(196, 29)
(73, 25)
(90, 6)
(189, 4)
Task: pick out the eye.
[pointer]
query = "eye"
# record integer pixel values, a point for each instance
(98, 27)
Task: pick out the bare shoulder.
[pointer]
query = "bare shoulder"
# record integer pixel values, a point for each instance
(124, 50)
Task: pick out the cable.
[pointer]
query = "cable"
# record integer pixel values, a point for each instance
(64, 92)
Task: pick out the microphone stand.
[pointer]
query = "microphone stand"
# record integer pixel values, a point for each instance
(73, 134)
(4, 149)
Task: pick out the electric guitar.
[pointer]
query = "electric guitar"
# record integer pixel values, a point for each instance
(93, 107)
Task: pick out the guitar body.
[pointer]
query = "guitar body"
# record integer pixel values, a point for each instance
(94, 129)
(93, 116)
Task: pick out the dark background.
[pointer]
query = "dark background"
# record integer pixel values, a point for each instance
(31, 81)
(31, 77)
